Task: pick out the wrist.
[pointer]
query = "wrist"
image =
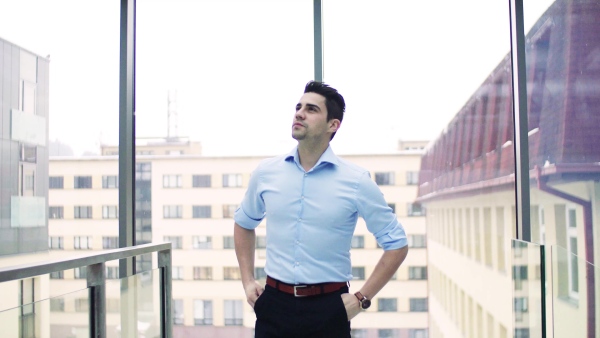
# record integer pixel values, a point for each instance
(363, 301)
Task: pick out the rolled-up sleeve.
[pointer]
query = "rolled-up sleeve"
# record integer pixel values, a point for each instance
(252, 209)
(381, 220)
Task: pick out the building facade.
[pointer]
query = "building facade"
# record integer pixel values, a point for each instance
(542, 281)
(189, 200)
(24, 83)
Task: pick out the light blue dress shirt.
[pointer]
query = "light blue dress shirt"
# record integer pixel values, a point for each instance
(311, 216)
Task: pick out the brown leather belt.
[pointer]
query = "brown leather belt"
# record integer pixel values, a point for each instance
(305, 290)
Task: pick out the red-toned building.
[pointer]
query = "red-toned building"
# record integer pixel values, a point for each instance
(467, 184)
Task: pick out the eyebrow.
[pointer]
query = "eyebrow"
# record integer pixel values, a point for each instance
(313, 106)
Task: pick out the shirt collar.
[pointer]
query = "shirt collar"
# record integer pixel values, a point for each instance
(327, 157)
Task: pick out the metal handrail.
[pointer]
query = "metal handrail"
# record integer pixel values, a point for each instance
(35, 269)
(96, 279)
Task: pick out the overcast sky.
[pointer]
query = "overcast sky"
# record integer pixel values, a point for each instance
(239, 67)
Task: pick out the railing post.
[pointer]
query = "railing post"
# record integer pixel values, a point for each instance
(166, 309)
(96, 282)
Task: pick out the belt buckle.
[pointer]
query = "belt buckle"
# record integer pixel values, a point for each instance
(296, 290)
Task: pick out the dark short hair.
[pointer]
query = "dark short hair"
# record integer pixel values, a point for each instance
(334, 101)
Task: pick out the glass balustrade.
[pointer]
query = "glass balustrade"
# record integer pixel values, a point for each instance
(528, 292)
(574, 295)
(63, 316)
(133, 305)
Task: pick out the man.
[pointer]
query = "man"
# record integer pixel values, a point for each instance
(312, 200)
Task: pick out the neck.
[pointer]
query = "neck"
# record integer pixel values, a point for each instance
(309, 154)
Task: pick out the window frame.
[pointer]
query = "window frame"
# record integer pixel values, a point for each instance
(82, 182)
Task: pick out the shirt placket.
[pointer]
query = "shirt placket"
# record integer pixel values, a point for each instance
(298, 255)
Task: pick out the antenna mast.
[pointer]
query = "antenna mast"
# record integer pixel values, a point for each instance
(172, 117)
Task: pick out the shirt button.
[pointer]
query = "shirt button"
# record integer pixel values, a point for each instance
(297, 263)
(299, 219)
(305, 175)
(302, 197)
(297, 242)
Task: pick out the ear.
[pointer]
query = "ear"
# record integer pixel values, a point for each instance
(334, 125)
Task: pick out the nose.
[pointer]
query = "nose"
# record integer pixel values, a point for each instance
(299, 115)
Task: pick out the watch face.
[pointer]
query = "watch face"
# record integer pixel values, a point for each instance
(366, 303)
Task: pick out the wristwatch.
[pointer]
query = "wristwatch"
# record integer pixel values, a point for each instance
(364, 301)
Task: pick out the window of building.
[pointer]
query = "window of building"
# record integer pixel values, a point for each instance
(358, 242)
(359, 333)
(27, 297)
(201, 181)
(143, 171)
(232, 273)
(418, 305)
(55, 243)
(110, 211)
(83, 182)
(112, 272)
(228, 242)
(80, 272)
(26, 179)
(387, 305)
(417, 333)
(572, 249)
(203, 312)
(82, 242)
(57, 275)
(261, 242)
(82, 305)
(28, 153)
(415, 209)
(358, 273)
(172, 211)
(56, 182)
(412, 177)
(520, 274)
(203, 273)
(417, 241)
(392, 206)
(177, 272)
(229, 210)
(520, 308)
(110, 242)
(110, 182)
(201, 211)
(57, 304)
(176, 241)
(417, 272)
(386, 178)
(259, 273)
(522, 332)
(233, 312)
(388, 333)
(83, 211)
(232, 180)
(177, 305)
(202, 242)
(56, 212)
(172, 181)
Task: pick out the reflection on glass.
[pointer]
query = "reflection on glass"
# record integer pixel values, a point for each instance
(571, 280)
(528, 313)
(466, 180)
(563, 76)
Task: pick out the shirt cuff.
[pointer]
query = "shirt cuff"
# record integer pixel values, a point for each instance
(245, 221)
(392, 237)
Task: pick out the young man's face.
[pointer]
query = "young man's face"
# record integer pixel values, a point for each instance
(310, 119)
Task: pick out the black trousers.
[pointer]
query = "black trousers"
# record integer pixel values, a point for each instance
(280, 315)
